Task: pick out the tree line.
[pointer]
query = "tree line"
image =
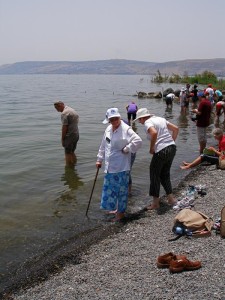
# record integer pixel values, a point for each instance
(204, 78)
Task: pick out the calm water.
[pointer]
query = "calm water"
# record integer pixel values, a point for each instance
(41, 202)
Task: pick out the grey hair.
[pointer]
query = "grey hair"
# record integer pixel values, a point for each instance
(217, 132)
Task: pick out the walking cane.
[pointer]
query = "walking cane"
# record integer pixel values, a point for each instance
(92, 191)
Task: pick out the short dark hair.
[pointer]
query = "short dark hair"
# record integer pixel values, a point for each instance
(58, 103)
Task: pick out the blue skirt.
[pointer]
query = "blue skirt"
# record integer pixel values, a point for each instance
(115, 191)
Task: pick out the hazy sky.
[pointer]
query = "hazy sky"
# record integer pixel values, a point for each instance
(81, 30)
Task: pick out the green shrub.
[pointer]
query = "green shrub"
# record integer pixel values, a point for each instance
(205, 78)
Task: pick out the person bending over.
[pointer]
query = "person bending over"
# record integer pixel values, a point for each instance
(162, 135)
(131, 111)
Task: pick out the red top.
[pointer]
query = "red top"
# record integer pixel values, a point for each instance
(205, 109)
(222, 144)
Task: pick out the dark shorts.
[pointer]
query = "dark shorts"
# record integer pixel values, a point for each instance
(186, 103)
(169, 100)
(212, 159)
(133, 115)
(194, 99)
(70, 143)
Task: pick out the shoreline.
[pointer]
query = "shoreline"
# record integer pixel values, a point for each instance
(75, 261)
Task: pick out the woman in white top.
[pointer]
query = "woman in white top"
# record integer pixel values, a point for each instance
(162, 135)
(118, 142)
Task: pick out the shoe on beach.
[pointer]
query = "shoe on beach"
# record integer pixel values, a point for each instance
(184, 264)
(163, 261)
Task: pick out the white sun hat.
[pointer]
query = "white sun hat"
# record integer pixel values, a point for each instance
(111, 113)
(143, 112)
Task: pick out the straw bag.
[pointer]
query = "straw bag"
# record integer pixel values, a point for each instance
(193, 221)
(222, 161)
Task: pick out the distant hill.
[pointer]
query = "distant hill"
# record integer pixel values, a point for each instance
(117, 66)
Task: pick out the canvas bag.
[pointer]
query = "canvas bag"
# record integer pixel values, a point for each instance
(222, 160)
(196, 221)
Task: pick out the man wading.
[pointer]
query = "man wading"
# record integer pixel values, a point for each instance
(70, 131)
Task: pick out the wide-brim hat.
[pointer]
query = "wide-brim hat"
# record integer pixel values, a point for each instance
(111, 113)
(141, 113)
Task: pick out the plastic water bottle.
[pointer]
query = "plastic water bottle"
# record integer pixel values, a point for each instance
(191, 192)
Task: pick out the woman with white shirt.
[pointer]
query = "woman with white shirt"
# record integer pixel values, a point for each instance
(162, 135)
(118, 142)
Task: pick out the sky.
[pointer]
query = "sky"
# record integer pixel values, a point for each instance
(84, 30)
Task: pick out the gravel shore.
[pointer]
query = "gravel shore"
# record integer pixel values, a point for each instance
(123, 265)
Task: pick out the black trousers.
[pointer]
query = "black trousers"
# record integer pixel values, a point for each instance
(160, 170)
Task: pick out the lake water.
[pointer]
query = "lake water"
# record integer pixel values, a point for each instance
(41, 202)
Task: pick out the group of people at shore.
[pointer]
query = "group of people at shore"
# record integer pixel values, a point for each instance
(120, 143)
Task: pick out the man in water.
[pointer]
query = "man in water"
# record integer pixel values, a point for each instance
(169, 99)
(203, 114)
(70, 131)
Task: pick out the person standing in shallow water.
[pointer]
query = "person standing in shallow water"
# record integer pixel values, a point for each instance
(131, 111)
(118, 142)
(162, 135)
(70, 131)
(203, 114)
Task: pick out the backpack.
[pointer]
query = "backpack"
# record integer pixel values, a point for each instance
(191, 223)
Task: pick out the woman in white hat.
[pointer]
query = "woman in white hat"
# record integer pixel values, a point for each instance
(118, 142)
(162, 135)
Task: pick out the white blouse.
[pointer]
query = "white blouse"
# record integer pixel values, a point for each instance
(113, 142)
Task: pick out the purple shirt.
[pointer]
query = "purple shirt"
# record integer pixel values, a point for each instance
(132, 108)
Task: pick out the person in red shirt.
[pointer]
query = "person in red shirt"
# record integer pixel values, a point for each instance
(212, 159)
(203, 114)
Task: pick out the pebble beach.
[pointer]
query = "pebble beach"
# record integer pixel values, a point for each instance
(123, 264)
